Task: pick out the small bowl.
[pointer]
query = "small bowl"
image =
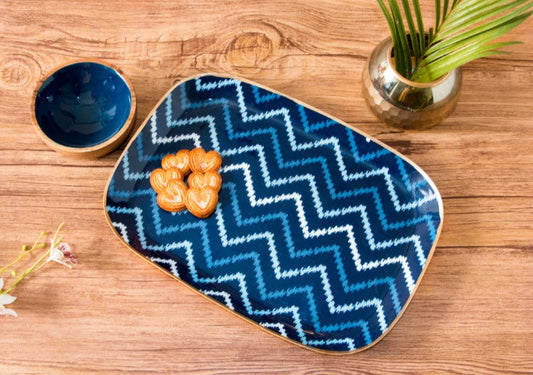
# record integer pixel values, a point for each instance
(84, 108)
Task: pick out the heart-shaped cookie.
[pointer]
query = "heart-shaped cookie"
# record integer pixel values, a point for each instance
(200, 161)
(205, 182)
(172, 199)
(201, 202)
(179, 160)
(160, 178)
(174, 173)
(208, 179)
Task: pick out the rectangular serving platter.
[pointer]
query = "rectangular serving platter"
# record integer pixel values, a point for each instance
(321, 234)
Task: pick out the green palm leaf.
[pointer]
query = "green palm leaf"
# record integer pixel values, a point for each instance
(463, 31)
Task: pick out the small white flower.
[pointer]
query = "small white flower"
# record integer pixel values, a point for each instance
(6, 299)
(62, 255)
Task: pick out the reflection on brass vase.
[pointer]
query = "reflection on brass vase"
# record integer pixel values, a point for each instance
(403, 103)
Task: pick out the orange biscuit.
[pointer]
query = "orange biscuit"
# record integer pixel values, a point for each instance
(201, 161)
(160, 178)
(208, 179)
(173, 198)
(179, 160)
(205, 182)
(201, 202)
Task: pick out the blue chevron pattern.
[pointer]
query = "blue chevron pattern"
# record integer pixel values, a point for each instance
(320, 234)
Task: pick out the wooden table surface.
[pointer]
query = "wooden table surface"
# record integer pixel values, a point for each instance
(114, 313)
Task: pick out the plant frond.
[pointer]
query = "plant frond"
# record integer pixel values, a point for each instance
(464, 31)
(420, 23)
(482, 17)
(471, 41)
(445, 9)
(437, 14)
(412, 30)
(460, 14)
(449, 63)
(404, 52)
(394, 35)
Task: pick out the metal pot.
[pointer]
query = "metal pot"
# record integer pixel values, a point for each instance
(403, 103)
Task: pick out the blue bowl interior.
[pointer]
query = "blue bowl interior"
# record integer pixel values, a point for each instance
(83, 104)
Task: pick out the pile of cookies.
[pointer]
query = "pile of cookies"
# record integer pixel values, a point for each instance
(200, 194)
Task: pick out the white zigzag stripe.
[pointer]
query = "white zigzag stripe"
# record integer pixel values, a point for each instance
(170, 262)
(293, 310)
(308, 177)
(285, 113)
(318, 204)
(348, 229)
(320, 269)
(189, 121)
(174, 271)
(383, 171)
(277, 326)
(132, 176)
(123, 231)
(350, 343)
(156, 139)
(137, 212)
(213, 85)
(225, 295)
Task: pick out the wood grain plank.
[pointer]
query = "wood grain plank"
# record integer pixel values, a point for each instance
(116, 314)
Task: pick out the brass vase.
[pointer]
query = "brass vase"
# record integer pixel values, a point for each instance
(403, 103)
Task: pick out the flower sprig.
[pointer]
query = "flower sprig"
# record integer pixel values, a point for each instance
(57, 251)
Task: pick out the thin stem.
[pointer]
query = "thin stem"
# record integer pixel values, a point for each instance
(403, 53)
(27, 272)
(24, 252)
(412, 30)
(445, 10)
(394, 34)
(437, 14)
(56, 233)
(39, 261)
(420, 23)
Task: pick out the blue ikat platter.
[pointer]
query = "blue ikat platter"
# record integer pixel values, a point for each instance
(321, 234)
